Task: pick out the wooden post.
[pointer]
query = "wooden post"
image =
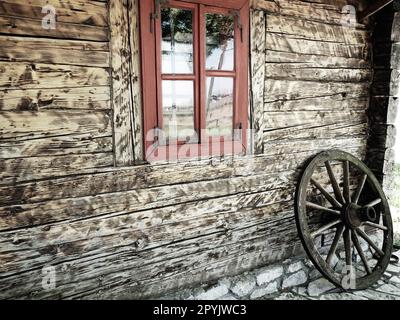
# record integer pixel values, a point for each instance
(121, 84)
(137, 118)
(257, 44)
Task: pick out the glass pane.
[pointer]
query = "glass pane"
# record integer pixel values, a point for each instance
(177, 41)
(220, 42)
(219, 106)
(178, 109)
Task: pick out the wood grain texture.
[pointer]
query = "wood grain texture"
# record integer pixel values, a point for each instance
(77, 12)
(84, 98)
(33, 27)
(29, 168)
(319, 31)
(307, 73)
(315, 61)
(31, 124)
(257, 44)
(54, 51)
(67, 141)
(137, 125)
(224, 253)
(140, 177)
(20, 75)
(292, 90)
(121, 84)
(328, 12)
(293, 44)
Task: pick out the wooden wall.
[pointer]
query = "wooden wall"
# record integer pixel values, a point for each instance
(55, 109)
(139, 231)
(317, 78)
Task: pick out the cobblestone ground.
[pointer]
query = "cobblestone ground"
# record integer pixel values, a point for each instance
(293, 279)
(388, 288)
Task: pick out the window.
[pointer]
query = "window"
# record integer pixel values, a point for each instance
(195, 78)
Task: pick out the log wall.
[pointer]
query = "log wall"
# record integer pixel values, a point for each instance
(139, 231)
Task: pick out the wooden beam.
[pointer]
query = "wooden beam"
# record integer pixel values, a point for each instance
(232, 4)
(121, 85)
(373, 8)
(137, 116)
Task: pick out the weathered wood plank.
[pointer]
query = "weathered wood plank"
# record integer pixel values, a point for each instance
(285, 71)
(54, 51)
(33, 27)
(315, 61)
(129, 201)
(119, 203)
(30, 168)
(319, 131)
(86, 98)
(291, 90)
(257, 44)
(145, 176)
(238, 221)
(137, 125)
(288, 43)
(334, 102)
(352, 145)
(19, 75)
(286, 119)
(218, 254)
(121, 86)
(55, 146)
(144, 230)
(50, 123)
(328, 13)
(320, 31)
(81, 12)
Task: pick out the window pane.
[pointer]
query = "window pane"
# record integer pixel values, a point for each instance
(220, 42)
(178, 109)
(177, 41)
(219, 106)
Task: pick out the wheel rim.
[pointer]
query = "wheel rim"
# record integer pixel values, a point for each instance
(344, 221)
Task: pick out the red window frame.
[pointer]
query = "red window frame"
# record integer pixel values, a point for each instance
(150, 30)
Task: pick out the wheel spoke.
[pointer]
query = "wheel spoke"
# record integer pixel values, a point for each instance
(328, 197)
(375, 225)
(325, 227)
(335, 185)
(360, 188)
(374, 203)
(370, 242)
(346, 181)
(347, 246)
(335, 243)
(318, 207)
(356, 242)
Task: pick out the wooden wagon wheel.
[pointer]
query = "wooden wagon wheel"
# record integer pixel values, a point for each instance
(344, 221)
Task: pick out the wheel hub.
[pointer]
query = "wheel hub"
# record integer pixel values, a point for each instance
(354, 215)
(351, 215)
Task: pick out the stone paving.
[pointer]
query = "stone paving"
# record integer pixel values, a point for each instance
(293, 279)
